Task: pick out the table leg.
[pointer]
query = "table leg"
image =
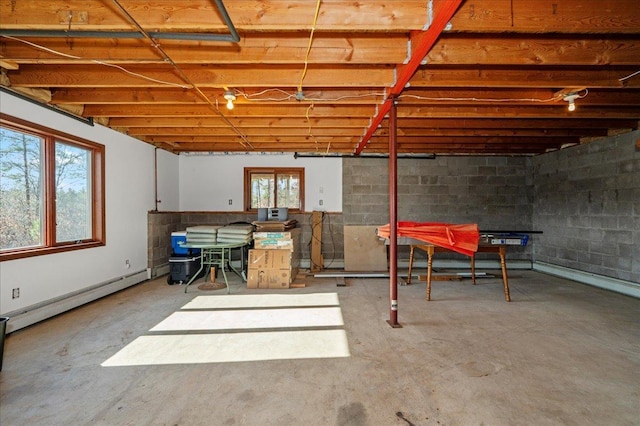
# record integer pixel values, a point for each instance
(222, 266)
(473, 269)
(429, 271)
(193, 278)
(505, 280)
(241, 272)
(410, 264)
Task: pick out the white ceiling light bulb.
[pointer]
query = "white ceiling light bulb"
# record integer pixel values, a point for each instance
(230, 97)
(571, 98)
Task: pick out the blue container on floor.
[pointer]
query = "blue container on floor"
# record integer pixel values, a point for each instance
(176, 239)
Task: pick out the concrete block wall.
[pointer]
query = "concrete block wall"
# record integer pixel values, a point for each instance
(160, 225)
(494, 192)
(587, 200)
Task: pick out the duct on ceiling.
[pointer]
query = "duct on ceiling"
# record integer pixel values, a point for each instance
(232, 36)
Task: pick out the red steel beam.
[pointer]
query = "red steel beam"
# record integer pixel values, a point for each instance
(423, 42)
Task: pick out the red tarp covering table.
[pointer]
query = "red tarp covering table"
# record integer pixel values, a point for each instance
(461, 238)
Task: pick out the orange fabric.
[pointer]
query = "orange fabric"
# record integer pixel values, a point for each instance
(461, 238)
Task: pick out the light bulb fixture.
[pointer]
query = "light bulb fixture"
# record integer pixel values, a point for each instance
(230, 97)
(571, 98)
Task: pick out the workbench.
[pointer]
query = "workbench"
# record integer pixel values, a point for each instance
(217, 255)
(430, 249)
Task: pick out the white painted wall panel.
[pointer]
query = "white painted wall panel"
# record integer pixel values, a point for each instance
(208, 182)
(168, 181)
(129, 166)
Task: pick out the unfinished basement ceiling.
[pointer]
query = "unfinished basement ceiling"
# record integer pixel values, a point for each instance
(494, 81)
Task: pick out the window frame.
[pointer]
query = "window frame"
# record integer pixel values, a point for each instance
(97, 176)
(248, 171)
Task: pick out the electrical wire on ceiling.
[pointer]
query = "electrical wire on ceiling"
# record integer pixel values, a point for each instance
(98, 62)
(473, 99)
(315, 140)
(244, 140)
(300, 94)
(629, 76)
(254, 97)
(250, 97)
(306, 56)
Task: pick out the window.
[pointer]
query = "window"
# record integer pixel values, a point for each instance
(51, 191)
(274, 187)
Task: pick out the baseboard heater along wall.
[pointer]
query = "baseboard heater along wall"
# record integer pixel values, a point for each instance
(628, 288)
(35, 313)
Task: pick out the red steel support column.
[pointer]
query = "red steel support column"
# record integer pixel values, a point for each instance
(393, 217)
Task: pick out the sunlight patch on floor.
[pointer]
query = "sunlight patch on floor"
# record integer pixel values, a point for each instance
(234, 301)
(215, 329)
(251, 319)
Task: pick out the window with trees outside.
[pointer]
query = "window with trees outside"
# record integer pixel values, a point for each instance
(274, 187)
(51, 191)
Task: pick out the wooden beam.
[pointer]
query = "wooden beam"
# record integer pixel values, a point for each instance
(474, 140)
(271, 147)
(8, 64)
(514, 123)
(545, 111)
(214, 76)
(455, 76)
(536, 16)
(264, 15)
(282, 140)
(317, 263)
(167, 95)
(244, 122)
(580, 16)
(248, 131)
(549, 50)
(256, 48)
(502, 132)
(240, 110)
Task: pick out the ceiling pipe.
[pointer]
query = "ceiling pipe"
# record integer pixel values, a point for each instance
(182, 75)
(231, 37)
(423, 41)
(369, 155)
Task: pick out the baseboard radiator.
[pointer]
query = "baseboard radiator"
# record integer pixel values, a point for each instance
(628, 288)
(35, 313)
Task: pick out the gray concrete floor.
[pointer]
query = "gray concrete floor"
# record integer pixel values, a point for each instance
(561, 353)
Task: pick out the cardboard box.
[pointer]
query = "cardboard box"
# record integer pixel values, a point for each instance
(273, 243)
(271, 278)
(269, 259)
(286, 240)
(284, 235)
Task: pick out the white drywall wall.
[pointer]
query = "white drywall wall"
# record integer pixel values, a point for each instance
(168, 181)
(208, 182)
(129, 168)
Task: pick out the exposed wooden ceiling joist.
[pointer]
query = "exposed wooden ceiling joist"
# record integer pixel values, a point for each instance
(492, 83)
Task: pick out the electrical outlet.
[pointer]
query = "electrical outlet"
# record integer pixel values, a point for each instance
(127, 264)
(15, 293)
(320, 202)
(230, 201)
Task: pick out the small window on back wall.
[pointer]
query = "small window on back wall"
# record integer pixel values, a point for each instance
(274, 187)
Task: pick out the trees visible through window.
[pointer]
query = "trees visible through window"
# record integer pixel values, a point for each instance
(274, 187)
(51, 191)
